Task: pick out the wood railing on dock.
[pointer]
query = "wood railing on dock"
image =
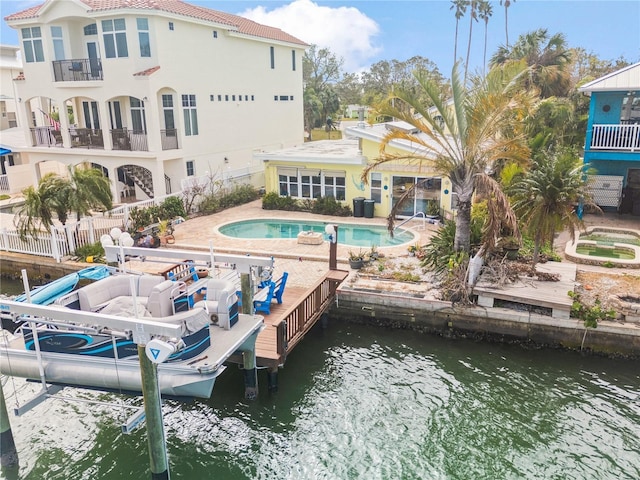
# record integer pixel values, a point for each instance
(297, 320)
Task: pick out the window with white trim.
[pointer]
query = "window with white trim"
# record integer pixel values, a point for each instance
(312, 184)
(376, 187)
(138, 119)
(32, 44)
(91, 29)
(334, 185)
(288, 181)
(58, 43)
(293, 60)
(167, 110)
(272, 55)
(190, 115)
(143, 36)
(115, 38)
(191, 169)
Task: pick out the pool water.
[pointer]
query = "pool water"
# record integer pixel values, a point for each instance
(609, 239)
(595, 251)
(348, 234)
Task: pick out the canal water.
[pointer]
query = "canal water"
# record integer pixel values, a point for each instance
(360, 402)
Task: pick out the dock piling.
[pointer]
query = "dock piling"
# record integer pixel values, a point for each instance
(8, 452)
(250, 374)
(272, 379)
(153, 413)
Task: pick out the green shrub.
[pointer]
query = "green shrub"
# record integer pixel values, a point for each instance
(5, 196)
(222, 199)
(171, 208)
(273, 201)
(94, 250)
(330, 206)
(320, 206)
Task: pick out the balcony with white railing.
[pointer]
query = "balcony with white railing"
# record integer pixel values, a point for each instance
(620, 137)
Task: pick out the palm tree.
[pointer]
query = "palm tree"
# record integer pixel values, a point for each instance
(546, 196)
(83, 190)
(88, 189)
(472, 17)
(485, 11)
(40, 206)
(461, 9)
(507, 4)
(549, 59)
(462, 140)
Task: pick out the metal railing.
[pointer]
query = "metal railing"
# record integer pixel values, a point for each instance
(45, 137)
(86, 138)
(77, 70)
(4, 183)
(169, 139)
(616, 137)
(131, 140)
(419, 214)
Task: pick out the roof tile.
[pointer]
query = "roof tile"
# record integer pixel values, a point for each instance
(147, 72)
(178, 7)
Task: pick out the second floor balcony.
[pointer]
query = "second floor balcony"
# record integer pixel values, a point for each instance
(77, 70)
(620, 137)
(121, 138)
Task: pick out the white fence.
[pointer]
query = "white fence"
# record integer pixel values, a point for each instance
(616, 137)
(63, 240)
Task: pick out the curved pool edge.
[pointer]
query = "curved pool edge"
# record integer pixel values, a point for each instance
(570, 249)
(410, 230)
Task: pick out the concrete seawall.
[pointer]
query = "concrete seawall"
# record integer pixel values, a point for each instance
(398, 311)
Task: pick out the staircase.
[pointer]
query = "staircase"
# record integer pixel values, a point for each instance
(141, 177)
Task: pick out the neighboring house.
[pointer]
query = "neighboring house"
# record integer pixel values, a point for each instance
(335, 167)
(612, 144)
(154, 92)
(10, 68)
(353, 112)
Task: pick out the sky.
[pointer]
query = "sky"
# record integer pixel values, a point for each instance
(363, 32)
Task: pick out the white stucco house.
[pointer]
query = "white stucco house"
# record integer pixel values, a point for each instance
(153, 92)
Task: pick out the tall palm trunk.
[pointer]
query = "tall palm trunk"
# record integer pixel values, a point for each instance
(472, 16)
(484, 54)
(455, 43)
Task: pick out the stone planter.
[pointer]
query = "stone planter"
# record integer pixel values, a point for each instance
(627, 307)
(356, 263)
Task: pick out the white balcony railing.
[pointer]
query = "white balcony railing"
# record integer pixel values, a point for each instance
(616, 137)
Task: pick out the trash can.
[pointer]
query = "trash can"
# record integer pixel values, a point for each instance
(368, 208)
(358, 207)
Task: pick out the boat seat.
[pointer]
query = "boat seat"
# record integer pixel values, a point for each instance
(221, 302)
(160, 301)
(96, 295)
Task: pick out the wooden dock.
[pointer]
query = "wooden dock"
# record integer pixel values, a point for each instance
(538, 293)
(288, 322)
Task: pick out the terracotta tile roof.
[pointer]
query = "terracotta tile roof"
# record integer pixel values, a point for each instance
(147, 72)
(178, 7)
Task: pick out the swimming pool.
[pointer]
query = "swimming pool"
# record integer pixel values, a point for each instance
(348, 234)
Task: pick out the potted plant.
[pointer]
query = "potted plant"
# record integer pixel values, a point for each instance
(433, 209)
(373, 253)
(413, 249)
(356, 260)
(510, 246)
(163, 231)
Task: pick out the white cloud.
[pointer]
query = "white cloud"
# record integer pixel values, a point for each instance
(346, 31)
